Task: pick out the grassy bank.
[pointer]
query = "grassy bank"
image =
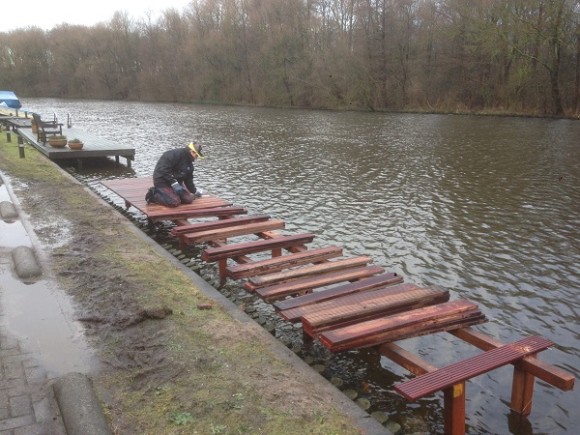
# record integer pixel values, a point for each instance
(171, 366)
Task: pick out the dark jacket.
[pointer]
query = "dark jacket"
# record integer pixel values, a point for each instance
(174, 165)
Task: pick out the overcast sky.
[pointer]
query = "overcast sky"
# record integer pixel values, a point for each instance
(46, 14)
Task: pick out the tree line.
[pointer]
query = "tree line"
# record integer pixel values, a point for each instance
(497, 56)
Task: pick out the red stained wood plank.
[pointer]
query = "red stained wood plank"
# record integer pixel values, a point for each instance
(227, 232)
(548, 373)
(283, 262)
(304, 284)
(180, 213)
(328, 266)
(294, 314)
(158, 211)
(133, 191)
(369, 305)
(238, 249)
(221, 223)
(463, 370)
(358, 286)
(391, 328)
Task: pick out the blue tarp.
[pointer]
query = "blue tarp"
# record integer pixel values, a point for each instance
(10, 99)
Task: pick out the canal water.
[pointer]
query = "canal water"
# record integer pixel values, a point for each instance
(487, 207)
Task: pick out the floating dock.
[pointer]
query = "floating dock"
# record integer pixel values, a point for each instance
(94, 146)
(350, 303)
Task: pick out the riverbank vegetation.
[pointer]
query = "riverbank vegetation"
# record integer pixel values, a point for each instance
(494, 56)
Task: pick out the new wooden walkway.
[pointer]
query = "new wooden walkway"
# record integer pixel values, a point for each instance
(94, 146)
(347, 302)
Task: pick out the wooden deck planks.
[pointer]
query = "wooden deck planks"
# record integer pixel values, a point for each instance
(408, 324)
(373, 309)
(220, 223)
(94, 146)
(296, 313)
(548, 373)
(471, 367)
(231, 231)
(283, 262)
(361, 285)
(240, 249)
(329, 266)
(133, 191)
(278, 291)
(369, 305)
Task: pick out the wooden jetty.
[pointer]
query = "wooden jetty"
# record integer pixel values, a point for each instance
(357, 304)
(15, 122)
(94, 146)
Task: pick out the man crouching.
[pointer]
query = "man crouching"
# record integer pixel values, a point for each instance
(173, 177)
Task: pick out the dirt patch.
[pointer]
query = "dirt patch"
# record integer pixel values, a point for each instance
(175, 361)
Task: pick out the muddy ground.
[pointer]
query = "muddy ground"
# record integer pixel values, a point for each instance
(169, 364)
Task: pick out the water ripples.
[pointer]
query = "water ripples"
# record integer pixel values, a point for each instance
(486, 207)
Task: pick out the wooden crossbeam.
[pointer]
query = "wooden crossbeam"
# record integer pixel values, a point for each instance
(546, 372)
(463, 370)
(282, 262)
(362, 285)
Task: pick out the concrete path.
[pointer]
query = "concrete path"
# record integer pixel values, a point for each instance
(27, 402)
(32, 400)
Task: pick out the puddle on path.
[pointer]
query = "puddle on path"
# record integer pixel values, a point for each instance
(38, 314)
(13, 234)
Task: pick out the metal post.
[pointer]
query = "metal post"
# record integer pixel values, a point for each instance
(8, 136)
(20, 147)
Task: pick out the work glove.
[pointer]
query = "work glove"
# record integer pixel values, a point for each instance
(185, 196)
(177, 187)
(198, 192)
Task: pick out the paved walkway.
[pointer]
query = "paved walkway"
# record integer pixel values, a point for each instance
(27, 403)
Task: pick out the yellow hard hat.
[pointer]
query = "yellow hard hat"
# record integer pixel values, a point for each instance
(196, 148)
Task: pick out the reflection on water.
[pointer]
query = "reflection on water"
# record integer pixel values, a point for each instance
(487, 207)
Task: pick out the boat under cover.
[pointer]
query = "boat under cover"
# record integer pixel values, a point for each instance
(9, 99)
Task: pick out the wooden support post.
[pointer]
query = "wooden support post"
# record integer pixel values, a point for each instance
(277, 252)
(21, 147)
(454, 409)
(522, 391)
(546, 372)
(223, 264)
(454, 396)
